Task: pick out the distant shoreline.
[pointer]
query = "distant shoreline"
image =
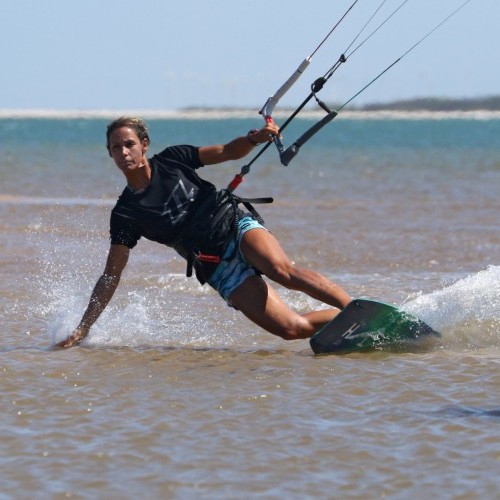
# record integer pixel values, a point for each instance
(491, 103)
(417, 109)
(224, 114)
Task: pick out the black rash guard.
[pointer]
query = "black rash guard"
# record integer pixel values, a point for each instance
(181, 210)
(170, 204)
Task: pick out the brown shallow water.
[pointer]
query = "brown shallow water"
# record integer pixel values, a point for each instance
(175, 395)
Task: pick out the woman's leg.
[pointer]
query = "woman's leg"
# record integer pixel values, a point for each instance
(264, 252)
(260, 303)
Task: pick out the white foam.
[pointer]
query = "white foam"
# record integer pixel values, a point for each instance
(468, 310)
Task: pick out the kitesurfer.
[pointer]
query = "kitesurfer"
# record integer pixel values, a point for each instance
(166, 201)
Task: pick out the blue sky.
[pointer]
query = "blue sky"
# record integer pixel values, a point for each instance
(164, 55)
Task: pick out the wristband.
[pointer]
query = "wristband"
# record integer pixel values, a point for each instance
(252, 141)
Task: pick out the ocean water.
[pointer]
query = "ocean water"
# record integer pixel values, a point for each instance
(175, 395)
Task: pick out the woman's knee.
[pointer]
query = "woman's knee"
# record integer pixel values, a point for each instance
(295, 328)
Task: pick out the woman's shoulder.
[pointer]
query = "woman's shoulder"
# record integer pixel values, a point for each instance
(183, 153)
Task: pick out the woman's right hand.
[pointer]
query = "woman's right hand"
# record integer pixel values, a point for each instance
(74, 339)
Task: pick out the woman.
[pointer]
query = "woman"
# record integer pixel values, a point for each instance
(166, 201)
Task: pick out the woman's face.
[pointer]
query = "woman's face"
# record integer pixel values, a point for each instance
(127, 150)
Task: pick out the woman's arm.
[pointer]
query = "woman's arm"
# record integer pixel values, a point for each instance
(102, 294)
(237, 148)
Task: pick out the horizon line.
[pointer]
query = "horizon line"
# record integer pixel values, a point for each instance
(212, 113)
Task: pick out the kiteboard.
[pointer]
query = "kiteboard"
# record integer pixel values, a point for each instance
(367, 324)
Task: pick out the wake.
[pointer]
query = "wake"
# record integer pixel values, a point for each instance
(466, 313)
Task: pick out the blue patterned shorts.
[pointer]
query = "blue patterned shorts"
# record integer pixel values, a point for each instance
(234, 269)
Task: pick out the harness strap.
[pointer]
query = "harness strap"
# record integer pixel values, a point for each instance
(247, 202)
(227, 201)
(189, 265)
(212, 259)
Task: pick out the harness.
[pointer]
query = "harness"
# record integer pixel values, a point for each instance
(207, 237)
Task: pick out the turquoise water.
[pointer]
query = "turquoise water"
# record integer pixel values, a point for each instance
(175, 395)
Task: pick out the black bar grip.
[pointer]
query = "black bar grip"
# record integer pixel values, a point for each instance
(315, 128)
(289, 154)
